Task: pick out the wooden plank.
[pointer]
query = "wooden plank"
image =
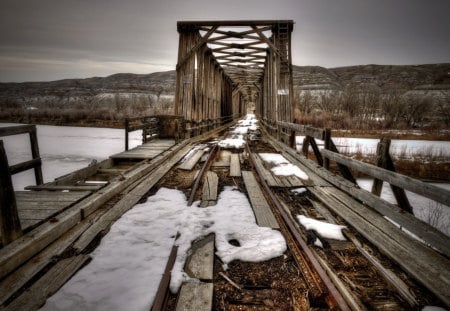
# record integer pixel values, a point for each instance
(18, 278)
(423, 263)
(50, 196)
(34, 297)
(147, 151)
(268, 177)
(195, 297)
(62, 187)
(24, 166)
(192, 161)
(235, 165)
(210, 185)
(432, 192)
(200, 264)
(81, 174)
(263, 213)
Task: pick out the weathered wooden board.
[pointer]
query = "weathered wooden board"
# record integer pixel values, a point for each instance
(268, 177)
(65, 187)
(195, 297)
(200, 264)
(146, 151)
(48, 284)
(423, 263)
(34, 207)
(19, 277)
(263, 213)
(209, 191)
(235, 165)
(189, 164)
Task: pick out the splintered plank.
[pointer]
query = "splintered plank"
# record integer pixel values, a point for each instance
(195, 297)
(34, 297)
(200, 264)
(235, 166)
(192, 161)
(209, 193)
(263, 213)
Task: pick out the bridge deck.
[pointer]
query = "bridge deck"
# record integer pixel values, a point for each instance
(35, 207)
(146, 151)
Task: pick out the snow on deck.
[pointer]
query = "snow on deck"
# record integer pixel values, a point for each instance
(282, 167)
(324, 229)
(237, 140)
(127, 266)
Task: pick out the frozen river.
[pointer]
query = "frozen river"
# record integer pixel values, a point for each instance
(64, 149)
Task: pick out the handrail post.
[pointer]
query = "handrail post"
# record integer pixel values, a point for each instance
(327, 145)
(9, 217)
(35, 155)
(126, 133)
(384, 160)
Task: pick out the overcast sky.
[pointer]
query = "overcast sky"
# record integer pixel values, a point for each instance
(43, 40)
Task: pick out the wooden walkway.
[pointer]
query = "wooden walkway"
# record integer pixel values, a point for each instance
(146, 151)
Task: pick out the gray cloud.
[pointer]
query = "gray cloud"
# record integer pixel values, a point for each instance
(51, 39)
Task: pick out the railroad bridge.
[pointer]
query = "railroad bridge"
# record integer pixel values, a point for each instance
(388, 260)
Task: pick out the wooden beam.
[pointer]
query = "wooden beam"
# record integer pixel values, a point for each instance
(196, 47)
(15, 130)
(9, 217)
(232, 23)
(266, 40)
(432, 192)
(384, 160)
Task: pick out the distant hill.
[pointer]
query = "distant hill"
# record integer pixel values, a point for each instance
(384, 77)
(433, 79)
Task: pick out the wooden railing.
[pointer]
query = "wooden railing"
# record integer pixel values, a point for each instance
(383, 171)
(9, 219)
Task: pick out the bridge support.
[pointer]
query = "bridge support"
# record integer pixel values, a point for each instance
(228, 68)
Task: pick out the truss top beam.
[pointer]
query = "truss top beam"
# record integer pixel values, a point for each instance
(196, 25)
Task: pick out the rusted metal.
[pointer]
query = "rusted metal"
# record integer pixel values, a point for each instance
(290, 231)
(159, 303)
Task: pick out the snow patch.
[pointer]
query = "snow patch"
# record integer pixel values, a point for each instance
(299, 190)
(282, 166)
(127, 266)
(324, 229)
(236, 142)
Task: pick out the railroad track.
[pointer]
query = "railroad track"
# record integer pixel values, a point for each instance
(340, 275)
